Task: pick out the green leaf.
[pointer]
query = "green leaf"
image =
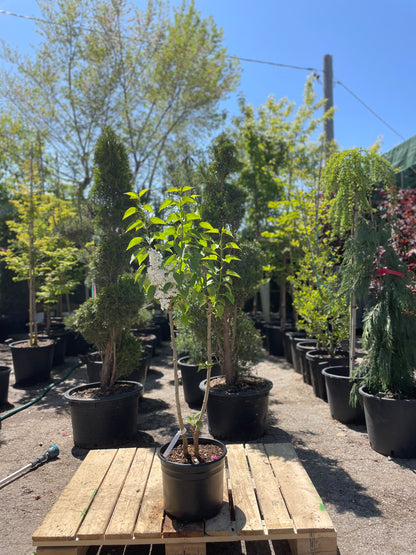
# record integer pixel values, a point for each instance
(134, 241)
(130, 211)
(156, 220)
(167, 202)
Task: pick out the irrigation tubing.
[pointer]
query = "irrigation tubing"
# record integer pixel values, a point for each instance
(39, 397)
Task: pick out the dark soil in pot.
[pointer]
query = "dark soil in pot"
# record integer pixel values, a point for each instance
(194, 491)
(32, 364)
(238, 413)
(391, 424)
(101, 420)
(338, 388)
(191, 378)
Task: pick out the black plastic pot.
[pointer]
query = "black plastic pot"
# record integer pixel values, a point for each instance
(59, 352)
(338, 388)
(287, 340)
(238, 416)
(294, 340)
(109, 421)
(193, 492)
(140, 373)
(32, 364)
(191, 378)
(274, 336)
(94, 366)
(4, 384)
(302, 347)
(76, 344)
(391, 425)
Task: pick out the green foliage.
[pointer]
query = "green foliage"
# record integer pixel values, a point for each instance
(322, 309)
(139, 69)
(389, 333)
(103, 320)
(350, 178)
(38, 252)
(223, 200)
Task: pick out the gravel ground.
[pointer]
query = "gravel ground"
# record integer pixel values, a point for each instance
(370, 498)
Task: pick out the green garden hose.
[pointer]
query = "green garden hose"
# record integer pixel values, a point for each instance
(39, 397)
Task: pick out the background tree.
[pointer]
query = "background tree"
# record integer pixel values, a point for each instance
(109, 63)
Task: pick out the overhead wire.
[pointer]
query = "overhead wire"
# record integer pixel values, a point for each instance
(251, 60)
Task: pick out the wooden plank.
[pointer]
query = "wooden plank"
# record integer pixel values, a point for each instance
(186, 549)
(99, 514)
(304, 504)
(315, 544)
(125, 513)
(220, 524)
(247, 515)
(273, 507)
(63, 520)
(173, 528)
(149, 521)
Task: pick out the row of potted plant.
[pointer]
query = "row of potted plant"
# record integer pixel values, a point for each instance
(370, 269)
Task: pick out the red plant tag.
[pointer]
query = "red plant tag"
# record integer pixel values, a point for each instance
(392, 272)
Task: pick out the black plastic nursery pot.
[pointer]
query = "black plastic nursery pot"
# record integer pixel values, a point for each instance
(193, 491)
(294, 340)
(274, 334)
(32, 364)
(391, 425)
(338, 387)
(238, 416)
(191, 378)
(108, 421)
(287, 340)
(60, 337)
(302, 347)
(4, 384)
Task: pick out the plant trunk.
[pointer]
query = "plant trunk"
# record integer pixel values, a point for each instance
(176, 381)
(209, 367)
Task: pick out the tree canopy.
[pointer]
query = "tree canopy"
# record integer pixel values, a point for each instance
(156, 75)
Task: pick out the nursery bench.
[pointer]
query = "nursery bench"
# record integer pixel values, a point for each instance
(115, 498)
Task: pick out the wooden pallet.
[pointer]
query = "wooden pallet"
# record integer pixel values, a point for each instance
(115, 498)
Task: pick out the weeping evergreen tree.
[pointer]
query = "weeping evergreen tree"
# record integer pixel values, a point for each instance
(372, 267)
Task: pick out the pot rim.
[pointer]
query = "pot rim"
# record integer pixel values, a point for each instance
(326, 371)
(4, 369)
(41, 343)
(111, 397)
(268, 386)
(364, 393)
(202, 440)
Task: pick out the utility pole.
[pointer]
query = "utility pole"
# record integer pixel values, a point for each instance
(329, 101)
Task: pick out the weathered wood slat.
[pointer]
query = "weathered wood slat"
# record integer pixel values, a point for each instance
(273, 507)
(64, 519)
(149, 521)
(99, 514)
(115, 498)
(187, 549)
(125, 512)
(247, 515)
(173, 528)
(303, 501)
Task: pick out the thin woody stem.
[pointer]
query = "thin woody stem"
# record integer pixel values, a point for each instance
(176, 380)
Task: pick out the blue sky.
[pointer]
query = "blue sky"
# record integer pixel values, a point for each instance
(371, 41)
